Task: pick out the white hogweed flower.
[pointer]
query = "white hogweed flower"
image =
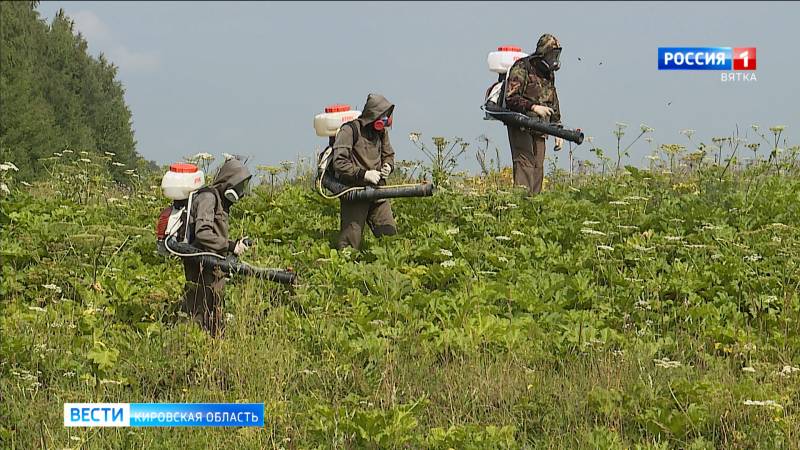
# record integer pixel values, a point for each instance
(768, 403)
(592, 232)
(666, 363)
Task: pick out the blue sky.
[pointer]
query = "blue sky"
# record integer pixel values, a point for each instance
(248, 77)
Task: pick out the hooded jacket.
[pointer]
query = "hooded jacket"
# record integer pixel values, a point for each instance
(210, 209)
(527, 85)
(372, 149)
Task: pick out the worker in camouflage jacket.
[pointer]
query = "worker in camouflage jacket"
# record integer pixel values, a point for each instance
(530, 89)
(204, 295)
(362, 156)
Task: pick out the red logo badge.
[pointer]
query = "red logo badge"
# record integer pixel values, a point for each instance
(744, 58)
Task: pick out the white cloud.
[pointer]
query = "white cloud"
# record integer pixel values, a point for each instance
(99, 36)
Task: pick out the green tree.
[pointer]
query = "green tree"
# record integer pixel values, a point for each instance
(54, 95)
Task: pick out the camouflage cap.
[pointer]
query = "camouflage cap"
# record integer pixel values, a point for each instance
(546, 42)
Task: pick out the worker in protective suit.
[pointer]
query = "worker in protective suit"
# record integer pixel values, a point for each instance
(531, 90)
(204, 295)
(363, 155)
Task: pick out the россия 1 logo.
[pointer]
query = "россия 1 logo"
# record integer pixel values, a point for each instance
(737, 63)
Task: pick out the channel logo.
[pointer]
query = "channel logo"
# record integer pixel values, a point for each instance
(163, 414)
(707, 58)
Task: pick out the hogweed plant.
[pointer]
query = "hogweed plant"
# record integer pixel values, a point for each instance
(688, 133)
(754, 146)
(492, 168)
(6, 170)
(672, 151)
(776, 135)
(733, 143)
(443, 158)
(619, 132)
(273, 172)
(602, 158)
(202, 160)
(409, 168)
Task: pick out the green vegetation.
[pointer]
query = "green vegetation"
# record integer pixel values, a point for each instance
(644, 309)
(54, 96)
(631, 308)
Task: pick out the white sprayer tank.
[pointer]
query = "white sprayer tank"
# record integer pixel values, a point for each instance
(502, 60)
(329, 122)
(180, 180)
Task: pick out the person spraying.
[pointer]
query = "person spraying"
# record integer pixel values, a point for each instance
(195, 229)
(531, 90)
(364, 156)
(204, 293)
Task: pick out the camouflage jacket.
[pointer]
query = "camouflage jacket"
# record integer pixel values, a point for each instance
(526, 87)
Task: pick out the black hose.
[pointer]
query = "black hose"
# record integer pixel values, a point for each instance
(231, 265)
(369, 193)
(516, 119)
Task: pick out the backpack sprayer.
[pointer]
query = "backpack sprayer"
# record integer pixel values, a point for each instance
(327, 125)
(500, 62)
(180, 184)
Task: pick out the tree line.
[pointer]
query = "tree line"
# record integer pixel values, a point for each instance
(54, 95)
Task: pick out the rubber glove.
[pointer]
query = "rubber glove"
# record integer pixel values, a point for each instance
(386, 170)
(241, 246)
(372, 176)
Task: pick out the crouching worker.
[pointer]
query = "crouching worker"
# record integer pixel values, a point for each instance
(204, 295)
(362, 156)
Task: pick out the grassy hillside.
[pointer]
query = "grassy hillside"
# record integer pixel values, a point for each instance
(645, 310)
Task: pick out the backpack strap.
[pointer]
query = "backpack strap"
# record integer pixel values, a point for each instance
(327, 154)
(188, 236)
(527, 67)
(356, 132)
(501, 97)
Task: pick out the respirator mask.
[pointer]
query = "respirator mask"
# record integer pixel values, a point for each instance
(382, 123)
(551, 59)
(236, 193)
